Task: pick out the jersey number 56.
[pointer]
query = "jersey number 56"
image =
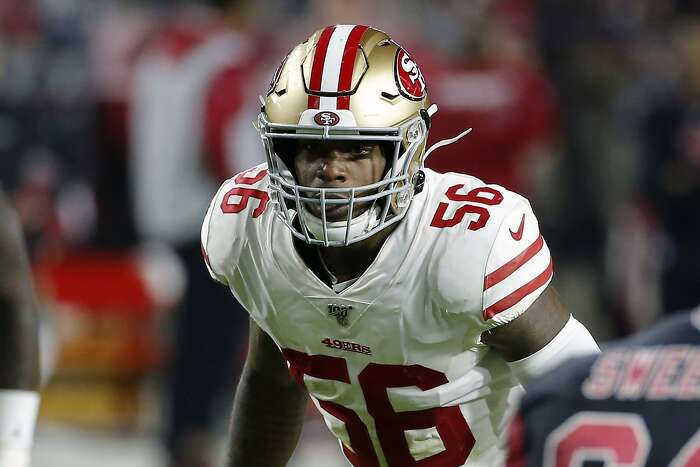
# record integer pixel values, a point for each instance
(390, 425)
(477, 199)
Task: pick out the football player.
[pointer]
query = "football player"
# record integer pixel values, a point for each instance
(637, 403)
(19, 350)
(410, 305)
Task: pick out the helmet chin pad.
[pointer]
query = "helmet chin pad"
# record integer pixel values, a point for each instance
(339, 230)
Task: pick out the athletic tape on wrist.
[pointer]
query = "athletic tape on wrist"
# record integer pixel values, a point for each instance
(14, 457)
(18, 411)
(572, 341)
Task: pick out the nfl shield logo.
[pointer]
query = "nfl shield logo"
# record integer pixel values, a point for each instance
(340, 312)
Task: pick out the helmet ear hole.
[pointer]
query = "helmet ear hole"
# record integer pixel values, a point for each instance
(286, 149)
(387, 148)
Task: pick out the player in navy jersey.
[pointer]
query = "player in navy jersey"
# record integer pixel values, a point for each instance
(637, 403)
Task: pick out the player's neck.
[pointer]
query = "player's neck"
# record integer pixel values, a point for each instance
(344, 263)
(351, 261)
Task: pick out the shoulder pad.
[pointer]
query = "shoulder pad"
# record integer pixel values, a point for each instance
(518, 268)
(240, 200)
(490, 259)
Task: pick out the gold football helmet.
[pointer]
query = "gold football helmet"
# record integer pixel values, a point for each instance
(346, 82)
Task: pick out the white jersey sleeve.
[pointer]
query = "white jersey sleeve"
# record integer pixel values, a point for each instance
(518, 266)
(488, 260)
(231, 214)
(205, 240)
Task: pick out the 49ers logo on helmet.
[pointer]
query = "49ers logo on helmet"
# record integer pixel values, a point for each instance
(409, 78)
(326, 118)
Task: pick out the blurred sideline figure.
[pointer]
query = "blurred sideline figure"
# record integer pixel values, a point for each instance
(638, 403)
(670, 184)
(19, 352)
(186, 101)
(490, 80)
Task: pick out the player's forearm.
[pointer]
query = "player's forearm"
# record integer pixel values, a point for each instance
(19, 360)
(19, 352)
(266, 421)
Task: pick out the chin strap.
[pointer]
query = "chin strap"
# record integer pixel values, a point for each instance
(446, 142)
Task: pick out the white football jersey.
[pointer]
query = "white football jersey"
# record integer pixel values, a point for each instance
(394, 362)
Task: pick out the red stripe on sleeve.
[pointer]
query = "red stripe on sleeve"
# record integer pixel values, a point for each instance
(348, 64)
(519, 294)
(317, 67)
(513, 265)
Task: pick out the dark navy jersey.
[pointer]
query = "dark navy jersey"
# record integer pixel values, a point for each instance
(636, 404)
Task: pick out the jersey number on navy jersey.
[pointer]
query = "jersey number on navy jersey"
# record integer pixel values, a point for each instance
(374, 380)
(611, 437)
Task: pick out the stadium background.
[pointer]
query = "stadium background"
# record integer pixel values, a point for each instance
(590, 108)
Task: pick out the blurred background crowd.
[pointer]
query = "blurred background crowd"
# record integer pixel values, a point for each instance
(119, 119)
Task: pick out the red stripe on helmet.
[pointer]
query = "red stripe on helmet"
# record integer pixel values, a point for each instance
(348, 64)
(317, 68)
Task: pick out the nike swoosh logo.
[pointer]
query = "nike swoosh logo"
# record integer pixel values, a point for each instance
(518, 234)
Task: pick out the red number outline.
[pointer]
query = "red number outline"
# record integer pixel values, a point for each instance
(615, 438)
(335, 369)
(689, 455)
(474, 196)
(374, 381)
(246, 178)
(611, 437)
(456, 436)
